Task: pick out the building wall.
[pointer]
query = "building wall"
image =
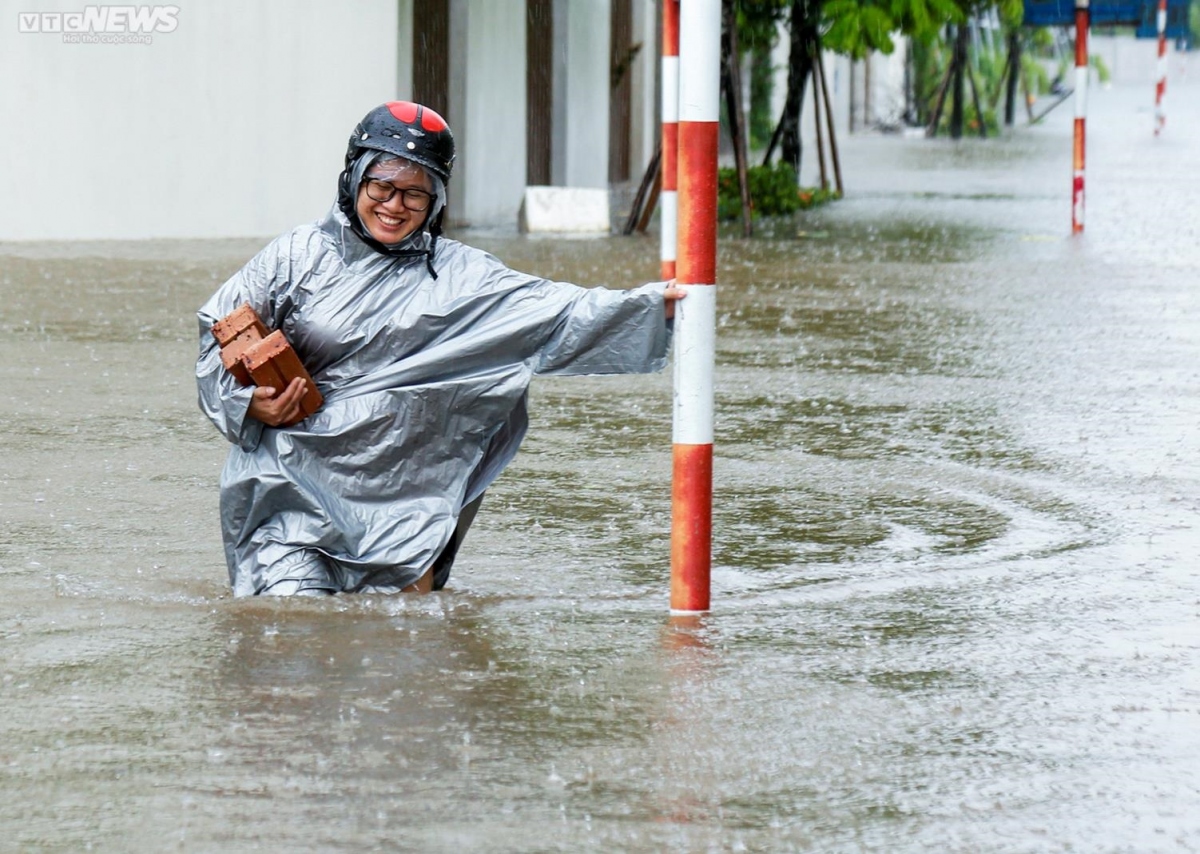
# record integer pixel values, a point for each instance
(487, 110)
(878, 96)
(404, 50)
(234, 124)
(1133, 61)
(581, 90)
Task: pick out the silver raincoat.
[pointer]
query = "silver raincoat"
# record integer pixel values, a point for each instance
(425, 383)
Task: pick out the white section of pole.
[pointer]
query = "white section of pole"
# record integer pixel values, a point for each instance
(695, 348)
(669, 209)
(670, 89)
(700, 61)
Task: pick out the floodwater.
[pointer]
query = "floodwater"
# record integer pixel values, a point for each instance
(956, 592)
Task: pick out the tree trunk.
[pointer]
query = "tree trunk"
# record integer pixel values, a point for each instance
(975, 100)
(806, 15)
(833, 149)
(731, 82)
(940, 100)
(1014, 71)
(647, 195)
(820, 131)
(960, 66)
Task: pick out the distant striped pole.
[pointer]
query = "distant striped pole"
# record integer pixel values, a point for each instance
(1082, 20)
(670, 136)
(695, 319)
(1160, 90)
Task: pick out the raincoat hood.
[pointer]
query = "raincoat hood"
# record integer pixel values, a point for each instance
(420, 243)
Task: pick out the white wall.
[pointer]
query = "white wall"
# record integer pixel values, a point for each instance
(487, 110)
(1134, 61)
(404, 50)
(877, 97)
(838, 70)
(644, 109)
(582, 32)
(887, 82)
(233, 124)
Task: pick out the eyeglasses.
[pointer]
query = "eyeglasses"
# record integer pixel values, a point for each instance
(412, 198)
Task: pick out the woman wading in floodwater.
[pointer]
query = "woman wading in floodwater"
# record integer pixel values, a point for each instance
(423, 348)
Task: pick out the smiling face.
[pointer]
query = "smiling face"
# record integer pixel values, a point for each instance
(393, 220)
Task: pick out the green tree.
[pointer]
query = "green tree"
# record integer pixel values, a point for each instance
(853, 28)
(857, 27)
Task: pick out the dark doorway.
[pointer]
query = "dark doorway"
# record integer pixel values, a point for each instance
(539, 90)
(431, 54)
(622, 53)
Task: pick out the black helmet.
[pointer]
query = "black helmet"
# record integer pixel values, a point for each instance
(401, 129)
(406, 130)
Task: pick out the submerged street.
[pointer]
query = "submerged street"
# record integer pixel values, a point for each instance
(956, 593)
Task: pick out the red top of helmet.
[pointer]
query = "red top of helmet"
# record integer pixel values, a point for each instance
(407, 112)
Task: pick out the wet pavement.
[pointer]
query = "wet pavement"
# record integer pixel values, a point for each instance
(956, 592)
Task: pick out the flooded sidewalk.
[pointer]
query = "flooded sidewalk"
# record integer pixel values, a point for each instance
(956, 599)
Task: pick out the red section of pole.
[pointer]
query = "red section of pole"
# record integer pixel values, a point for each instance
(670, 42)
(670, 156)
(1082, 22)
(1160, 88)
(697, 262)
(691, 527)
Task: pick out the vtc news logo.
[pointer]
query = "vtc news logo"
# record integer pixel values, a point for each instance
(96, 21)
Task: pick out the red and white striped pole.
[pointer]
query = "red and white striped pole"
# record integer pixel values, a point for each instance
(1160, 89)
(670, 137)
(696, 316)
(1082, 21)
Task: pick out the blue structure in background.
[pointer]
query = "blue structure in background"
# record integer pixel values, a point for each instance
(1112, 13)
(1177, 20)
